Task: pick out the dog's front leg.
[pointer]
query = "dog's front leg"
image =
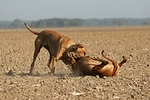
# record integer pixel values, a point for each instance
(72, 61)
(53, 61)
(52, 65)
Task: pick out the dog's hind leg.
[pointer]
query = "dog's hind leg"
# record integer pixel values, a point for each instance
(123, 61)
(36, 51)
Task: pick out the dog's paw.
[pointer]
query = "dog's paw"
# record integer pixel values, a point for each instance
(30, 74)
(124, 58)
(51, 74)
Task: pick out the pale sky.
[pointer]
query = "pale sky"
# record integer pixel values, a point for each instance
(43, 9)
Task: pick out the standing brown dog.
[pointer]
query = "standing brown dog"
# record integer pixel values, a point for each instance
(92, 66)
(58, 46)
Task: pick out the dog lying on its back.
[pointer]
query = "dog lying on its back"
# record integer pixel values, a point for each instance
(92, 66)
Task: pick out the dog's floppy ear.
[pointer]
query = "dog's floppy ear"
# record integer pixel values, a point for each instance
(76, 46)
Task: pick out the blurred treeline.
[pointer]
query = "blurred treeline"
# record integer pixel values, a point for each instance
(65, 22)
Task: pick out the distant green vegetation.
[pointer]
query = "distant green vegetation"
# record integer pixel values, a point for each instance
(65, 22)
(57, 22)
(17, 23)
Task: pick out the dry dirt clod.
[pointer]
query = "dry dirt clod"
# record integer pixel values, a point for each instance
(132, 96)
(11, 73)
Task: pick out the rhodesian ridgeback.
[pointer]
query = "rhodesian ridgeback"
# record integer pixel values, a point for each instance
(92, 66)
(57, 45)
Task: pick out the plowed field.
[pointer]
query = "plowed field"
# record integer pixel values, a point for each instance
(132, 81)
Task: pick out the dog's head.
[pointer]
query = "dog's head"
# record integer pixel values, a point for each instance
(80, 50)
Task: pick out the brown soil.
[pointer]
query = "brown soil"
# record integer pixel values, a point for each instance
(132, 81)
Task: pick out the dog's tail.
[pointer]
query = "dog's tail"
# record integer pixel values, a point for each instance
(113, 62)
(36, 33)
(123, 61)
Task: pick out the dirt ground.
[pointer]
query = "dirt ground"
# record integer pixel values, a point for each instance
(132, 81)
